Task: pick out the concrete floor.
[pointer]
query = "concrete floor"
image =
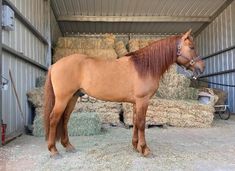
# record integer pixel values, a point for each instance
(211, 149)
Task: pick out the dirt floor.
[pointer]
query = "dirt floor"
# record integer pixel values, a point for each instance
(211, 149)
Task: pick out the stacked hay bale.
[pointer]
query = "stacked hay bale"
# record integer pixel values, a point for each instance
(93, 47)
(79, 124)
(179, 113)
(175, 104)
(107, 111)
(176, 86)
(120, 48)
(134, 45)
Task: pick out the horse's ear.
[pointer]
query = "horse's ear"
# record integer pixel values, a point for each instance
(187, 34)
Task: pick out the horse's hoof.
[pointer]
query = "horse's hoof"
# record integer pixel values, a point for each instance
(144, 150)
(71, 149)
(56, 156)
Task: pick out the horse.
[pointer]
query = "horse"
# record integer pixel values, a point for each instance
(134, 78)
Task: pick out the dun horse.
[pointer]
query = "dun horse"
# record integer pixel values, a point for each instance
(133, 78)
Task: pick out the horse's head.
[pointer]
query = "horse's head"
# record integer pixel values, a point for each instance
(187, 55)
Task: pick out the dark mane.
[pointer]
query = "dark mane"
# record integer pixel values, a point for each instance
(156, 58)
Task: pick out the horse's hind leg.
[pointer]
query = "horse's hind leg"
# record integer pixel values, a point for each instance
(65, 137)
(141, 109)
(55, 117)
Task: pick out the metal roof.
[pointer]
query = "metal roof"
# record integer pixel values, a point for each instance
(134, 16)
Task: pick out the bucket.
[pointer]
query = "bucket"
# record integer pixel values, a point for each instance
(3, 130)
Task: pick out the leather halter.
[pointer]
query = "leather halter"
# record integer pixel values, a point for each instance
(192, 61)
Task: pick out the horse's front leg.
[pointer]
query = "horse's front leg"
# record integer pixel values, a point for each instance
(135, 129)
(141, 109)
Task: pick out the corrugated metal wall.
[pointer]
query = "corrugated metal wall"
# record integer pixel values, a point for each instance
(220, 34)
(24, 74)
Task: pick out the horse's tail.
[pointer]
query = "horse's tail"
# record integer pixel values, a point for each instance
(49, 99)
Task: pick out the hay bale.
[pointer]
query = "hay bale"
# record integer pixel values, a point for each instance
(133, 45)
(120, 48)
(93, 47)
(63, 52)
(40, 81)
(79, 124)
(84, 124)
(108, 41)
(143, 43)
(108, 112)
(35, 97)
(101, 53)
(38, 128)
(176, 86)
(179, 113)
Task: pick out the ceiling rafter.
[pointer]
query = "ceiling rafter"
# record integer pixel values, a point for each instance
(82, 18)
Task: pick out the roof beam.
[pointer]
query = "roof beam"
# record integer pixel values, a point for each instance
(80, 18)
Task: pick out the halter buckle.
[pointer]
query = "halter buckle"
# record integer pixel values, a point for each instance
(192, 62)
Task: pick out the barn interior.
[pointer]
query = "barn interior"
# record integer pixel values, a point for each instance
(36, 34)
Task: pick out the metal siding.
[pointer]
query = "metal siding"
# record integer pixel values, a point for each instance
(24, 74)
(218, 36)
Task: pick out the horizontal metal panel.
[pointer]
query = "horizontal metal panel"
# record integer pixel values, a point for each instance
(217, 36)
(24, 76)
(126, 27)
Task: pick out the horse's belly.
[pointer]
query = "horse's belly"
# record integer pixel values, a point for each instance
(109, 90)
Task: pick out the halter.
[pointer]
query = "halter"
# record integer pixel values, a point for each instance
(190, 61)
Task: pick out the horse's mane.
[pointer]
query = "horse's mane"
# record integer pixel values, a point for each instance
(156, 58)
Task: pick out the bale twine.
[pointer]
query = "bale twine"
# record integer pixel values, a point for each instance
(178, 113)
(80, 124)
(120, 48)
